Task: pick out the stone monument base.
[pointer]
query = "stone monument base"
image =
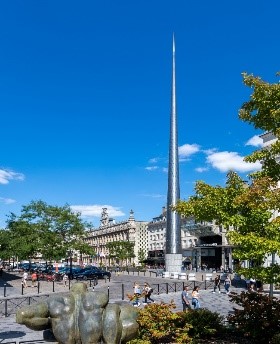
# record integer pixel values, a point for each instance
(173, 262)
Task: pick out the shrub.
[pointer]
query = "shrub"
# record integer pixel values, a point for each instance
(204, 323)
(159, 324)
(259, 315)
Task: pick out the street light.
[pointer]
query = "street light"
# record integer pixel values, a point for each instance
(70, 255)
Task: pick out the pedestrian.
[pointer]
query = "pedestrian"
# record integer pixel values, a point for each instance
(259, 286)
(137, 294)
(34, 279)
(252, 284)
(185, 299)
(217, 284)
(195, 298)
(227, 284)
(147, 291)
(65, 279)
(24, 279)
(248, 283)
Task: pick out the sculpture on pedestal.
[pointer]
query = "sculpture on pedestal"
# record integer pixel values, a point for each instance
(82, 317)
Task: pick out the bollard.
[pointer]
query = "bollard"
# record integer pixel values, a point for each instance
(93, 288)
(158, 289)
(69, 283)
(175, 287)
(205, 285)
(90, 283)
(202, 277)
(138, 272)
(52, 286)
(150, 273)
(144, 273)
(6, 308)
(38, 286)
(166, 288)
(187, 277)
(22, 288)
(122, 291)
(108, 292)
(5, 287)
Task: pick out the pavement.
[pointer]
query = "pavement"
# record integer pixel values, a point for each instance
(118, 287)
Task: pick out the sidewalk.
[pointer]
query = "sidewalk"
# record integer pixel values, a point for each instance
(11, 331)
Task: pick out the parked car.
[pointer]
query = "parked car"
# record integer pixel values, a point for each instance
(91, 273)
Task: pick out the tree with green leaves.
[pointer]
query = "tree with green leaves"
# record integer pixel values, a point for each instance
(49, 231)
(121, 251)
(141, 256)
(245, 212)
(263, 112)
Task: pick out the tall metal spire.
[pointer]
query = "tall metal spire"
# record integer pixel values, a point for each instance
(173, 229)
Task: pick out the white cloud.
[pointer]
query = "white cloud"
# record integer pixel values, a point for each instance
(153, 160)
(95, 210)
(201, 169)
(154, 195)
(7, 200)
(151, 168)
(7, 175)
(187, 150)
(225, 161)
(255, 141)
(165, 170)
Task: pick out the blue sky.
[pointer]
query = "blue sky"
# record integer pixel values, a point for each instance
(85, 98)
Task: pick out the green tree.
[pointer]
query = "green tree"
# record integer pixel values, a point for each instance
(141, 256)
(249, 212)
(263, 112)
(121, 250)
(48, 230)
(245, 211)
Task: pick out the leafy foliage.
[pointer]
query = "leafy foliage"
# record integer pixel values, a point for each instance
(204, 323)
(258, 317)
(141, 256)
(214, 202)
(263, 111)
(159, 324)
(47, 230)
(121, 250)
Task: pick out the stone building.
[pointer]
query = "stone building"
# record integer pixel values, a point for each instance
(110, 231)
(203, 244)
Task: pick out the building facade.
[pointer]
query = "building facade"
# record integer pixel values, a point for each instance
(109, 231)
(204, 245)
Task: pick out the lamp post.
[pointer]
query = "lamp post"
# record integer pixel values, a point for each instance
(70, 255)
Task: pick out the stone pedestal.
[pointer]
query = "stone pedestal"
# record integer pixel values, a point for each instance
(173, 262)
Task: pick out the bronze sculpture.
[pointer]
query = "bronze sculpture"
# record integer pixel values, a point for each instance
(82, 317)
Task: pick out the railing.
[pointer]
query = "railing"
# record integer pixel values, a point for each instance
(10, 305)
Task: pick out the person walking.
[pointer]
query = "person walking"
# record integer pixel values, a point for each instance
(65, 279)
(217, 284)
(147, 290)
(227, 284)
(185, 299)
(24, 279)
(195, 298)
(137, 294)
(34, 279)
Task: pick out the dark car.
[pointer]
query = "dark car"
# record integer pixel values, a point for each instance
(91, 273)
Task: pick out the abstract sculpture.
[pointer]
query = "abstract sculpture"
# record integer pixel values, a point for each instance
(82, 317)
